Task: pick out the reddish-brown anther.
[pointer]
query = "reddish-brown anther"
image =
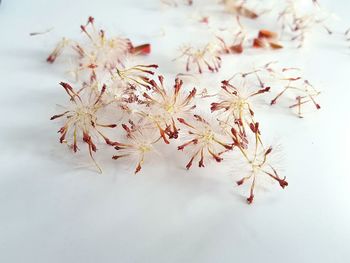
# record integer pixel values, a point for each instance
(181, 147)
(261, 91)
(63, 132)
(177, 86)
(234, 132)
(83, 28)
(268, 151)
(87, 139)
(126, 128)
(109, 142)
(181, 120)
(283, 183)
(254, 127)
(240, 182)
(188, 166)
(250, 199)
(90, 20)
(267, 89)
(66, 85)
(214, 106)
(75, 147)
(215, 156)
(138, 168)
(58, 115)
(108, 125)
(51, 58)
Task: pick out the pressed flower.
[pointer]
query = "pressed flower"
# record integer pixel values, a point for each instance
(167, 105)
(82, 119)
(98, 51)
(206, 57)
(203, 141)
(303, 90)
(105, 52)
(141, 138)
(235, 100)
(236, 41)
(256, 162)
(298, 23)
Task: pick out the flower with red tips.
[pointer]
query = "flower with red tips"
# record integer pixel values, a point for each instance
(233, 41)
(207, 57)
(297, 23)
(257, 165)
(203, 141)
(165, 106)
(98, 52)
(235, 100)
(82, 118)
(141, 139)
(302, 89)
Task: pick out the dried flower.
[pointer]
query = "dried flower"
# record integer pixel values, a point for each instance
(203, 141)
(302, 89)
(151, 113)
(236, 41)
(234, 101)
(296, 22)
(99, 52)
(141, 140)
(166, 106)
(208, 57)
(82, 119)
(258, 166)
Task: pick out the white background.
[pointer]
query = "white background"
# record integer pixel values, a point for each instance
(55, 208)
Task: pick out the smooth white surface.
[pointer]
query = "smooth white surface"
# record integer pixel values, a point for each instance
(55, 208)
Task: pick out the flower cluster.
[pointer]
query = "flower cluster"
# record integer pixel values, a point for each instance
(292, 21)
(131, 107)
(97, 52)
